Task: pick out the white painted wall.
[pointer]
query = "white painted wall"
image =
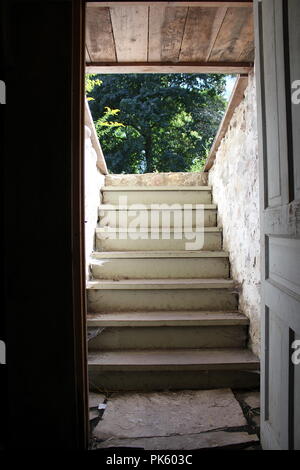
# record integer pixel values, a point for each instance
(95, 170)
(234, 177)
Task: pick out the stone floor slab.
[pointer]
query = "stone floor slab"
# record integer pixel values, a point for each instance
(95, 399)
(145, 415)
(206, 440)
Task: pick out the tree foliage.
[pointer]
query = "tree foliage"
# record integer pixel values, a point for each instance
(156, 122)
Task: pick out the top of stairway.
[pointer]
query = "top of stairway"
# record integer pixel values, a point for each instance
(155, 188)
(158, 179)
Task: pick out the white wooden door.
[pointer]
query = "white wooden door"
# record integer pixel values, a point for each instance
(277, 29)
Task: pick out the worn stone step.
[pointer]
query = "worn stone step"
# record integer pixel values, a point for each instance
(162, 284)
(155, 215)
(175, 369)
(154, 194)
(110, 239)
(175, 359)
(160, 264)
(157, 294)
(158, 179)
(168, 337)
(166, 318)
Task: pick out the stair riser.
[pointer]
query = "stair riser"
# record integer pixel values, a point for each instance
(158, 197)
(212, 241)
(157, 219)
(161, 268)
(169, 337)
(108, 300)
(108, 380)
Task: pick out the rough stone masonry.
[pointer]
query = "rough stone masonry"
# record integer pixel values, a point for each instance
(234, 177)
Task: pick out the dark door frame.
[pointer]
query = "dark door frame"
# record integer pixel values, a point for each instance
(77, 211)
(45, 402)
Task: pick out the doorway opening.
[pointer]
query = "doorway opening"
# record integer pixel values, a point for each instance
(172, 256)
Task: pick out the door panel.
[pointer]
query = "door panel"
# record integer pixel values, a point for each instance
(277, 64)
(272, 124)
(284, 263)
(294, 47)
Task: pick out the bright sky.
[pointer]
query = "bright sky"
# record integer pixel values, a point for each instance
(230, 81)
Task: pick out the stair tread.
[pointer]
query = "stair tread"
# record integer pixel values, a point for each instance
(158, 254)
(162, 284)
(229, 358)
(108, 229)
(156, 206)
(171, 318)
(156, 188)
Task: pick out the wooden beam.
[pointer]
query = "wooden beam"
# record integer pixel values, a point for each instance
(167, 67)
(236, 97)
(204, 3)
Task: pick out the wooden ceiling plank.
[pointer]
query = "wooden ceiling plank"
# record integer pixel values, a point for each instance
(172, 33)
(197, 34)
(156, 20)
(99, 37)
(236, 31)
(248, 53)
(204, 3)
(161, 67)
(219, 18)
(247, 41)
(130, 30)
(87, 55)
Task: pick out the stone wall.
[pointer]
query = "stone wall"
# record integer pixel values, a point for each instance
(95, 170)
(234, 177)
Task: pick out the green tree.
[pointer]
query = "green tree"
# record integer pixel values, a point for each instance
(156, 122)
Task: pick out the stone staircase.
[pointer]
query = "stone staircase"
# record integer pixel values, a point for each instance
(163, 317)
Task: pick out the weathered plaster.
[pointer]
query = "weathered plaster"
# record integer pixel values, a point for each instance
(94, 180)
(234, 177)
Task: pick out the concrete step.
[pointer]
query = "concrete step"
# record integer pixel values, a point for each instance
(165, 318)
(159, 265)
(158, 215)
(168, 337)
(175, 359)
(173, 369)
(156, 294)
(109, 239)
(153, 194)
(158, 179)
